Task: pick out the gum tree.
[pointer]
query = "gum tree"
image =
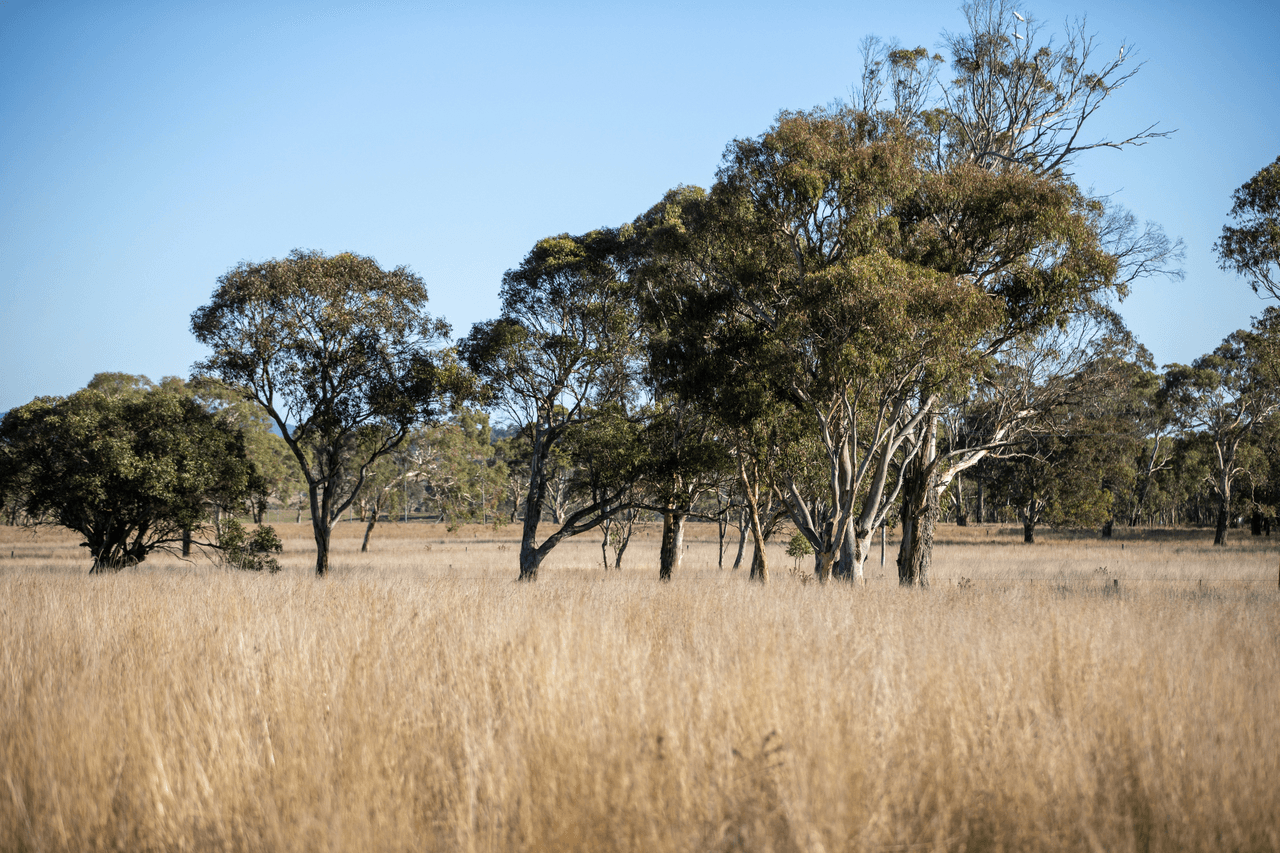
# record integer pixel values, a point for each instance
(1005, 128)
(562, 359)
(1251, 247)
(1226, 396)
(339, 353)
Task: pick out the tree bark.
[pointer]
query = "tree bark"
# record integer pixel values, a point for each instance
(1029, 532)
(1220, 529)
(920, 511)
(743, 524)
(672, 543)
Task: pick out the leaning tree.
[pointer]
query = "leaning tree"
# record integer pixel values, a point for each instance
(339, 353)
(562, 359)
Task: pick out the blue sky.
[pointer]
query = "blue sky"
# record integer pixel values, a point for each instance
(146, 148)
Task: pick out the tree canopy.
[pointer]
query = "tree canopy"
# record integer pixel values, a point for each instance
(1251, 247)
(132, 468)
(338, 352)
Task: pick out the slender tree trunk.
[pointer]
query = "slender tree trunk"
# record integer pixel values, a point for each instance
(624, 537)
(759, 561)
(1220, 529)
(368, 531)
(186, 541)
(722, 527)
(962, 516)
(1255, 523)
(982, 502)
(743, 524)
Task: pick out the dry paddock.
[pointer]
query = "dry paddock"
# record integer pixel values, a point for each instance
(1072, 695)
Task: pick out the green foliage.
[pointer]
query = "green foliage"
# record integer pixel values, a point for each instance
(798, 547)
(1251, 247)
(250, 552)
(130, 471)
(563, 357)
(337, 351)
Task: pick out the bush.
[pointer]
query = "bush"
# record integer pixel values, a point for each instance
(250, 552)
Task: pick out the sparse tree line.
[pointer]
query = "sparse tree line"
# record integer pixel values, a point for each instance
(882, 313)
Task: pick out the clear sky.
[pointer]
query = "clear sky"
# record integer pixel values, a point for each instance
(146, 148)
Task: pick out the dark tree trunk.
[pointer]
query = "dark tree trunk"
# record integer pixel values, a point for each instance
(186, 542)
(915, 553)
(920, 510)
(1255, 523)
(982, 502)
(672, 543)
(1220, 529)
(1029, 532)
(1108, 528)
(742, 538)
(759, 566)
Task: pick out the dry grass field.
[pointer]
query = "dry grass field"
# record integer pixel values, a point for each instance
(418, 699)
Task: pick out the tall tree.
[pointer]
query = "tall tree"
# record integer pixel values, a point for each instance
(338, 352)
(563, 356)
(1251, 247)
(1007, 127)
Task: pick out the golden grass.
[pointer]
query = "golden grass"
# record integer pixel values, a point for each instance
(405, 705)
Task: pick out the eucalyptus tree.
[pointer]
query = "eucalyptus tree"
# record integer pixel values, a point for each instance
(999, 207)
(564, 358)
(1226, 396)
(1251, 247)
(797, 295)
(1072, 461)
(339, 353)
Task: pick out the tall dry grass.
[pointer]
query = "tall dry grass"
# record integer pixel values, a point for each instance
(1024, 703)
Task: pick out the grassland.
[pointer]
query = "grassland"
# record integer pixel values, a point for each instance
(418, 699)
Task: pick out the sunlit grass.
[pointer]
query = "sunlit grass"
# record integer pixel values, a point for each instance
(419, 699)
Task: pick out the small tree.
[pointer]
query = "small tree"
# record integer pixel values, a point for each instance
(337, 351)
(131, 472)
